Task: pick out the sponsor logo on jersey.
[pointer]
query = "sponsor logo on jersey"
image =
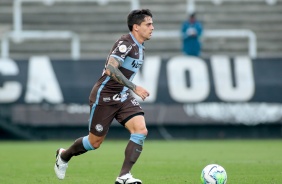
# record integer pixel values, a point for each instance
(118, 97)
(135, 102)
(107, 99)
(136, 64)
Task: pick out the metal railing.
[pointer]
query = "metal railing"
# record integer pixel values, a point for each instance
(19, 35)
(269, 2)
(229, 33)
(191, 4)
(41, 35)
(17, 12)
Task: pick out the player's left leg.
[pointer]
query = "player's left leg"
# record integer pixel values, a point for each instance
(138, 131)
(137, 127)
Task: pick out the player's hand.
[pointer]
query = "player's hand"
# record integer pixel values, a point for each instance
(141, 92)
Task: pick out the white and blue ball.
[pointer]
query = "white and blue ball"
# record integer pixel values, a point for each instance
(213, 174)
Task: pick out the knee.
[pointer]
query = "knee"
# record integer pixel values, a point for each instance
(144, 131)
(91, 143)
(96, 143)
(141, 130)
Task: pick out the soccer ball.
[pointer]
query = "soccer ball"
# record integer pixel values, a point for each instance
(213, 174)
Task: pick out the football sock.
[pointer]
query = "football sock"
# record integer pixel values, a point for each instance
(86, 143)
(77, 148)
(132, 152)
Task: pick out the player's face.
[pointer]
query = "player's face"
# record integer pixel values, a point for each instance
(146, 28)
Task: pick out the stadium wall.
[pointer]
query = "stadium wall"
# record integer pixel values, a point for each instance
(219, 97)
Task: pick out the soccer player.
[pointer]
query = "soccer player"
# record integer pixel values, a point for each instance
(111, 98)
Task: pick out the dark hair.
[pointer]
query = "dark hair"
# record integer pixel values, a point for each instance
(192, 15)
(137, 17)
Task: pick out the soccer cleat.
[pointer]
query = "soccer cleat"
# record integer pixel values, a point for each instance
(127, 179)
(60, 166)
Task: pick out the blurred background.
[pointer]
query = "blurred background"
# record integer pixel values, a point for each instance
(53, 51)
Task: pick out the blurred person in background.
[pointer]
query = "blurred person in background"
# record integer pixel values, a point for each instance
(191, 32)
(111, 98)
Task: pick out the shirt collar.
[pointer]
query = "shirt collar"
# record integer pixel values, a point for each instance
(134, 39)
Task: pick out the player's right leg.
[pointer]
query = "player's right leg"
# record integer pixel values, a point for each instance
(127, 179)
(137, 127)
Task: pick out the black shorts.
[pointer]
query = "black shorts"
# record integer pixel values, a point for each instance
(101, 116)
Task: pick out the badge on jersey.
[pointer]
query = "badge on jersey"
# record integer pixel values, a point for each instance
(122, 48)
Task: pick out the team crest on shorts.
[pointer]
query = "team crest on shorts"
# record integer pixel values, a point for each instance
(99, 127)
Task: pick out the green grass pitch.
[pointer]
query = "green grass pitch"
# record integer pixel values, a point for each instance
(176, 162)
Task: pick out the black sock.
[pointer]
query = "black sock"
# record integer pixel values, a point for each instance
(75, 149)
(132, 153)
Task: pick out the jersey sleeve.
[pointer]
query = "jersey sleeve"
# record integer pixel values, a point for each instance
(121, 49)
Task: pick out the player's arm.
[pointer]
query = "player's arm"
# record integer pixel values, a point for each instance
(112, 70)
